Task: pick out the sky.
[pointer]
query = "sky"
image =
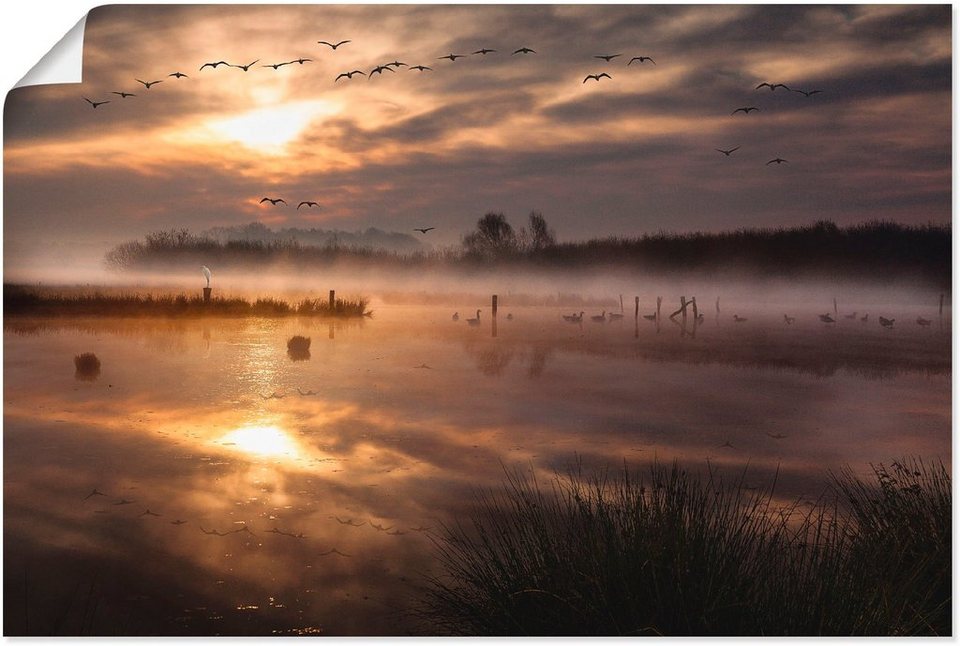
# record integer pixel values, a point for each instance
(625, 155)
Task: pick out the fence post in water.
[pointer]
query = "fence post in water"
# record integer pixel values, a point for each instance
(659, 299)
(636, 308)
(333, 299)
(693, 300)
(941, 304)
(207, 290)
(835, 306)
(683, 307)
(621, 303)
(718, 305)
(493, 305)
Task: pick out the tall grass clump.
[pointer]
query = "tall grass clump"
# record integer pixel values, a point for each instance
(670, 553)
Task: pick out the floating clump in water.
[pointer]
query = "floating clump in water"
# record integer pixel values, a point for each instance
(88, 366)
(298, 348)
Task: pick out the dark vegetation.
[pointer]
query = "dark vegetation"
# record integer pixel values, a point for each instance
(298, 348)
(87, 366)
(667, 553)
(22, 301)
(876, 250)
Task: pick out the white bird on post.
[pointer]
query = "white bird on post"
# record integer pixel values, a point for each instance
(206, 273)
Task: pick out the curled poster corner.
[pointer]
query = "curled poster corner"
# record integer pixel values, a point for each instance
(62, 64)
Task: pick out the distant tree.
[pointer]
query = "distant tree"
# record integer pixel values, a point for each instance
(494, 237)
(541, 237)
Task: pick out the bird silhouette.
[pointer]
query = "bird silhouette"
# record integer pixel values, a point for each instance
(597, 77)
(179, 75)
(421, 68)
(524, 50)
(301, 60)
(273, 395)
(309, 204)
(452, 57)
(772, 87)
(776, 436)
(777, 161)
(474, 321)
(283, 533)
(333, 551)
(650, 317)
(211, 532)
(745, 110)
(124, 501)
(397, 64)
(727, 152)
(788, 319)
(307, 393)
(738, 319)
(421, 528)
(214, 65)
(886, 322)
(615, 317)
(379, 69)
(826, 318)
(272, 200)
(423, 366)
(641, 59)
(850, 316)
(350, 521)
(123, 95)
(726, 445)
(380, 528)
(922, 321)
(807, 93)
(865, 317)
(425, 229)
(349, 75)
(277, 66)
(147, 84)
(332, 45)
(483, 51)
(244, 67)
(95, 103)
(178, 522)
(608, 57)
(456, 316)
(94, 493)
(573, 318)
(600, 319)
(149, 513)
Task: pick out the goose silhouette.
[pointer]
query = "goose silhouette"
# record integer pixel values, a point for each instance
(474, 321)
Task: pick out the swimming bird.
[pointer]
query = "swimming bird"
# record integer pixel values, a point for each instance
(349, 75)
(332, 45)
(94, 103)
(277, 66)
(772, 87)
(524, 50)
(850, 316)
(124, 501)
(650, 317)
(214, 65)
(421, 68)
(738, 319)
(614, 317)
(777, 161)
(727, 152)
(826, 318)
(149, 513)
(474, 321)
(178, 522)
(807, 94)
(123, 95)
(147, 84)
(379, 69)
(886, 322)
(456, 316)
(350, 521)
(922, 321)
(333, 551)
(788, 319)
(726, 445)
(306, 394)
(272, 200)
(746, 110)
(244, 67)
(483, 51)
(608, 57)
(864, 318)
(94, 493)
(510, 316)
(573, 318)
(423, 366)
(596, 77)
(452, 57)
(179, 75)
(397, 64)
(641, 59)
(776, 436)
(308, 203)
(600, 319)
(424, 230)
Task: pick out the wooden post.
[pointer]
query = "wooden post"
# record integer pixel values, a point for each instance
(207, 290)
(621, 303)
(493, 305)
(718, 304)
(683, 307)
(636, 308)
(941, 304)
(694, 303)
(333, 298)
(659, 299)
(835, 306)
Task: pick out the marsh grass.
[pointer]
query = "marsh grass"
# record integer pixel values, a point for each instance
(669, 553)
(20, 301)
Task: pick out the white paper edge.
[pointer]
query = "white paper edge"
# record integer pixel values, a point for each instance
(62, 64)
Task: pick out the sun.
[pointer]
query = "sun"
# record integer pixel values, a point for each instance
(269, 129)
(262, 441)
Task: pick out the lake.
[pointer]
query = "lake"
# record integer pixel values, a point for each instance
(309, 488)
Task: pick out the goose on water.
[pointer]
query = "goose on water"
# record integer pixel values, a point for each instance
(474, 321)
(600, 319)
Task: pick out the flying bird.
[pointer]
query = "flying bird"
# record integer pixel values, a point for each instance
(641, 59)
(123, 95)
(745, 110)
(277, 66)
(422, 68)
(333, 551)
(149, 513)
(178, 522)
(397, 64)
(524, 50)
(380, 528)
(379, 70)
(350, 521)
(124, 501)
(727, 152)
(421, 528)
(301, 60)
(608, 57)
(777, 161)
(596, 77)
(180, 75)
(807, 94)
(147, 84)
(273, 200)
(308, 203)
(772, 87)
(349, 75)
(94, 493)
(483, 51)
(452, 57)
(213, 65)
(94, 103)
(244, 67)
(332, 45)
(424, 230)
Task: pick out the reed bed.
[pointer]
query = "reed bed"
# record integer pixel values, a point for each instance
(19, 301)
(667, 552)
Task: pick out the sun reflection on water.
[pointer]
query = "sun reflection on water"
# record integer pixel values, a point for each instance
(262, 441)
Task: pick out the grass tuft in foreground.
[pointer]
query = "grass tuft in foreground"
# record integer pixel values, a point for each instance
(668, 553)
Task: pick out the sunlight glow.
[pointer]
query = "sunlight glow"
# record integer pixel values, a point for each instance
(271, 128)
(262, 441)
